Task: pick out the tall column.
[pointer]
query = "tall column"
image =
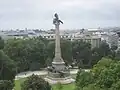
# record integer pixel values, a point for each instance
(57, 42)
(57, 59)
(58, 72)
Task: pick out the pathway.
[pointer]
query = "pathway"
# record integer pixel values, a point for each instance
(41, 73)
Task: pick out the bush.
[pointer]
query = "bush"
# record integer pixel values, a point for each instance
(35, 82)
(6, 85)
(83, 79)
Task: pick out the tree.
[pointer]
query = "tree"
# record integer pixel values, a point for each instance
(103, 63)
(95, 56)
(35, 82)
(38, 53)
(102, 51)
(105, 76)
(79, 51)
(6, 85)
(50, 51)
(1, 43)
(92, 87)
(65, 49)
(7, 70)
(117, 55)
(16, 50)
(109, 76)
(28, 54)
(83, 79)
(113, 47)
(7, 67)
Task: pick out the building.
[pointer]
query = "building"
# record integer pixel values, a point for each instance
(93, 40)
(113, 39)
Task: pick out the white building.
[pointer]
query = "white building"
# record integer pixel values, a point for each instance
(93, 40)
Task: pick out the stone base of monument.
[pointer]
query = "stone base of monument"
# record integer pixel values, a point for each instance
(66, 80)
(54, 78)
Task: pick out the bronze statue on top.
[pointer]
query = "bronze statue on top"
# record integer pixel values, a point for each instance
(56, 20)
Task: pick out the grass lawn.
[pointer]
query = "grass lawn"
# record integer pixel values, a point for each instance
(65, 87)
(18, 83)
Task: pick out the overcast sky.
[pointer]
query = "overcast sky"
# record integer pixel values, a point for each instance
(74, 13)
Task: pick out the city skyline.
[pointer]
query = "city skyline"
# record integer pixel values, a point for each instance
(75, 14)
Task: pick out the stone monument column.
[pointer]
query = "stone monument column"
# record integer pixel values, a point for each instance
(58, 72)
(57, 42)
(58, 62)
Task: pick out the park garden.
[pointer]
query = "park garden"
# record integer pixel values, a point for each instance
(31, 54)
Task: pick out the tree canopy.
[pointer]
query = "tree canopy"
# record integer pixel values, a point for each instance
(103, 76)
(7, 70)
(28, 54)
(35, 82)
(36, 53)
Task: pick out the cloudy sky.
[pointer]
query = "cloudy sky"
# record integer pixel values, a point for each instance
(74, 13)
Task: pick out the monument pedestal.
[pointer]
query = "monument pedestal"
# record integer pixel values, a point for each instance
(60, 75)
(65, 80)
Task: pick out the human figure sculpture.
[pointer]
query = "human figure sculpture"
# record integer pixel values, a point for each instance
(56, 20)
